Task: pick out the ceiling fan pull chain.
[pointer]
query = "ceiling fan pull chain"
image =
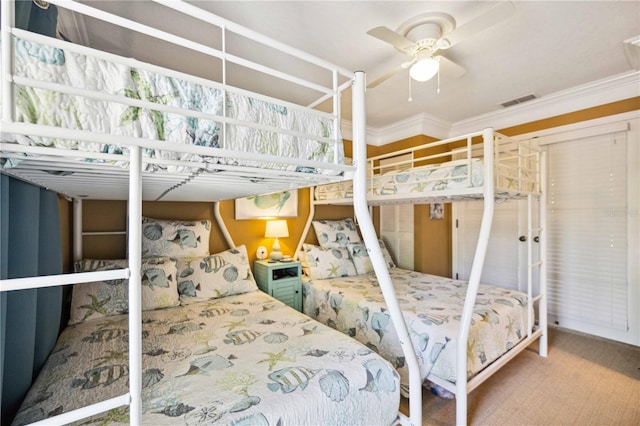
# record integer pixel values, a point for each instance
(410, 98)
(438, 81)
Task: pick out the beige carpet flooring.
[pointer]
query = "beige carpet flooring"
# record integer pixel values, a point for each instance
(584, 381)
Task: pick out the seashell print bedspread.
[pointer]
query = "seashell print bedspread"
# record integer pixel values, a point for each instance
(238, 360)
(419, 181)
(47, 107)
(450, 177)
(432, 307)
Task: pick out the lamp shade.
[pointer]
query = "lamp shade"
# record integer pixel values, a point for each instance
(276, 229)
(424, 69)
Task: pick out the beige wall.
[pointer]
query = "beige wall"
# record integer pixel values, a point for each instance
(432, 237)
(99, 215)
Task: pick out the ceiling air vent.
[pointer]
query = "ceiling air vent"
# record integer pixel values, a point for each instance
(517, 101)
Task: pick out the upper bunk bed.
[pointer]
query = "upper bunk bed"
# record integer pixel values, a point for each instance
(79, 112)
(452, 169)
(89, 123)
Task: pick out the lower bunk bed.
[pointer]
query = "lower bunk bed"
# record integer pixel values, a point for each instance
(342, 290)
(215, 350)
(431, 306)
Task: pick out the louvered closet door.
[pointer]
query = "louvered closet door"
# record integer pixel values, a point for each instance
(506, 259)
(396, 227)
(396, 223)
(589, 286)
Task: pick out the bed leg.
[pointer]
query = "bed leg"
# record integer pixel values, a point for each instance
(543, 344)
(461, 409)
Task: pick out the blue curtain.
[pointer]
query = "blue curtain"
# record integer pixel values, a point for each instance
(30, 245)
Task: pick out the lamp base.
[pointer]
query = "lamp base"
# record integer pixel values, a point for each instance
(276, 254)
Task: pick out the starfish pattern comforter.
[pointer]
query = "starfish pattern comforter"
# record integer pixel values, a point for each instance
(52, 108)
(239, 360)
(432, 307)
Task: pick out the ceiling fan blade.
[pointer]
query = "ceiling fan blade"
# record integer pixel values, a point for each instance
(481, 23)
(391, 37)
(388, 75)
(449, 70)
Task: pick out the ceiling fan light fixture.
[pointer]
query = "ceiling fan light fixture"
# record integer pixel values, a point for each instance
(424, 69)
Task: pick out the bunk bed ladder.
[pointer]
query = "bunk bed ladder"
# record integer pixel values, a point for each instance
(542, 247)
(537, 235)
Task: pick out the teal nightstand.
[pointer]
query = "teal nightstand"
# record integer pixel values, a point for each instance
(281, 280)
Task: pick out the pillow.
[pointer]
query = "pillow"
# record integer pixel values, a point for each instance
(104, 298)
(211, 277)
(321, 263)
(175, 238)
(361, 260)
(336, 233)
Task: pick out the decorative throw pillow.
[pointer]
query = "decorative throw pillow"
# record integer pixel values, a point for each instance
(322, 263)
(211, 277)
(104, 298)
(361, 260)
(336, 233)
(175, 238)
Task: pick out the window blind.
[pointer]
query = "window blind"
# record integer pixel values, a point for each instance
(396, 225)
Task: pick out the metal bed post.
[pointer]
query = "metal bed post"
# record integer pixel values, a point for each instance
(307, 224)
(8, 18)
(530, 265)
(474, 278)
(373, 248)
(222, 224)
(542, 288)
(135, 286)
(77, 229)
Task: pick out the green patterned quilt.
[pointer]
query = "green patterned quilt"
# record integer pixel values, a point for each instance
(52, 108)
(449, 178)
(432, 307)
(238, 360)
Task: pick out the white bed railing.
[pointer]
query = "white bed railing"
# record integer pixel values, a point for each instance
(516, 172)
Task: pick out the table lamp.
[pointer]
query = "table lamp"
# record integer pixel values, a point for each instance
(276, 229)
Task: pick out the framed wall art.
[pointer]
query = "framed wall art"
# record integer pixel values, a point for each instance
(277, 204)
(436, 211)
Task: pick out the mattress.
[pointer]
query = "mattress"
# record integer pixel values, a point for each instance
(432, 307)
(411, 182)
(449, 178)
(302, 139)
(243, 359)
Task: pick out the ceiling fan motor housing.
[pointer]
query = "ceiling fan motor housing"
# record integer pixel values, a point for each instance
(427, 30)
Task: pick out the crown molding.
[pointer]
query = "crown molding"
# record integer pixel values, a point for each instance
(420, 124)
(612, 89)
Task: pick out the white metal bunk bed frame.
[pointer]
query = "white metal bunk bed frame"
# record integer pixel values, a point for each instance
(134, 176)
(498, 153)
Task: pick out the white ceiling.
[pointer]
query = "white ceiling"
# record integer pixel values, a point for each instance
(543, 48)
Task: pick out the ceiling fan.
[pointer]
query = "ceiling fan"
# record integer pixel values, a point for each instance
(425, 36)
